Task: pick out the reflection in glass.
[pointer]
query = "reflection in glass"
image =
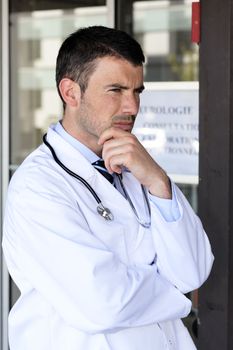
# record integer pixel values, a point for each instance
(163, 29)
(36, 36)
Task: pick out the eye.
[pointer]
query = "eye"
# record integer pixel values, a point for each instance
(139, 91)
(116, 89)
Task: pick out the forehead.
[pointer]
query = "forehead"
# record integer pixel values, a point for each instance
(116, 70)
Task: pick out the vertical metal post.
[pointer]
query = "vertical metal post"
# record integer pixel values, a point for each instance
(111, 13)
(215, 200)
(1, 318)
(4, 147)
(120, 15)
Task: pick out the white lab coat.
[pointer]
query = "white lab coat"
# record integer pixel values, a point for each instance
(87, 283)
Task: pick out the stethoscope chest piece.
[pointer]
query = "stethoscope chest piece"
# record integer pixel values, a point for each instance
(104, 212)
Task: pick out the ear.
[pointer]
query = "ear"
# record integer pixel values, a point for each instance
(70, 92)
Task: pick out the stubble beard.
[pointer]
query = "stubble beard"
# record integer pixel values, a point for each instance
(89, 124)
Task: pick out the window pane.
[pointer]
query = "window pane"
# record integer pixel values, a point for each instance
(36, 35)
(163, 29)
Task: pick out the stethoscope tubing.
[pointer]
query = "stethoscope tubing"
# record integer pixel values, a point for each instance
(101, 209)
(70, 172)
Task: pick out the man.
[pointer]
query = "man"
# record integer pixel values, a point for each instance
(110, 281)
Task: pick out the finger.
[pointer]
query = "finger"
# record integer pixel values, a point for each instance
(113, 143)
(116, 163)
(111, 133)
(115, 151)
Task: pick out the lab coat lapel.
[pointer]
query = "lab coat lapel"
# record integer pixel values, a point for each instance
(75, 161)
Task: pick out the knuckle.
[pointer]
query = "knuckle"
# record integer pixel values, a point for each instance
(133, 139)
(129, 156)
(131, 148)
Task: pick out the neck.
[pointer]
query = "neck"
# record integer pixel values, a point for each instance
(88, 141)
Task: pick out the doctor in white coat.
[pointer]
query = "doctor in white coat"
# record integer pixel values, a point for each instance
(106, 279)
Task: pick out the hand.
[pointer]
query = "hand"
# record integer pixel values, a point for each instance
(121, 148)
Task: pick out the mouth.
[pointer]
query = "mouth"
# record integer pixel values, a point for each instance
(123, 126)
(124, 122)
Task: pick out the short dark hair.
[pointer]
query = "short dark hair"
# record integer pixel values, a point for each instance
(77, 56)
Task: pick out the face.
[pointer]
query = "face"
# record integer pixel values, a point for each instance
(111, 99)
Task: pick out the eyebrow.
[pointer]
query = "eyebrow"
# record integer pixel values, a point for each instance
(116, 85)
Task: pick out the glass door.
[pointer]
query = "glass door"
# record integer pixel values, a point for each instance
(37, 30)
(167, 124)
(36, 33)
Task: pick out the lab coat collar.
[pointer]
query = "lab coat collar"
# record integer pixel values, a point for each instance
(83, 149)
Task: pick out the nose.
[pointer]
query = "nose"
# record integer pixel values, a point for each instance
(130, 104)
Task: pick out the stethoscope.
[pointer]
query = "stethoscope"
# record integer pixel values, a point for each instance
(101, 209)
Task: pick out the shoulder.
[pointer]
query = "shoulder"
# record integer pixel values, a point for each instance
(38, 173)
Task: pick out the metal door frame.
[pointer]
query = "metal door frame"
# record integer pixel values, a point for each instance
(4, 162)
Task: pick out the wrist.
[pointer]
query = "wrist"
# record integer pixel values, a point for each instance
(161, 187)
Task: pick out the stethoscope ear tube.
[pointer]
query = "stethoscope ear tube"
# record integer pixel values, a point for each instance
(103, 211)
(145, 224)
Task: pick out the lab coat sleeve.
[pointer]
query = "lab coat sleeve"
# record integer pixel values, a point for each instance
(47, 238)
(184, 254)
